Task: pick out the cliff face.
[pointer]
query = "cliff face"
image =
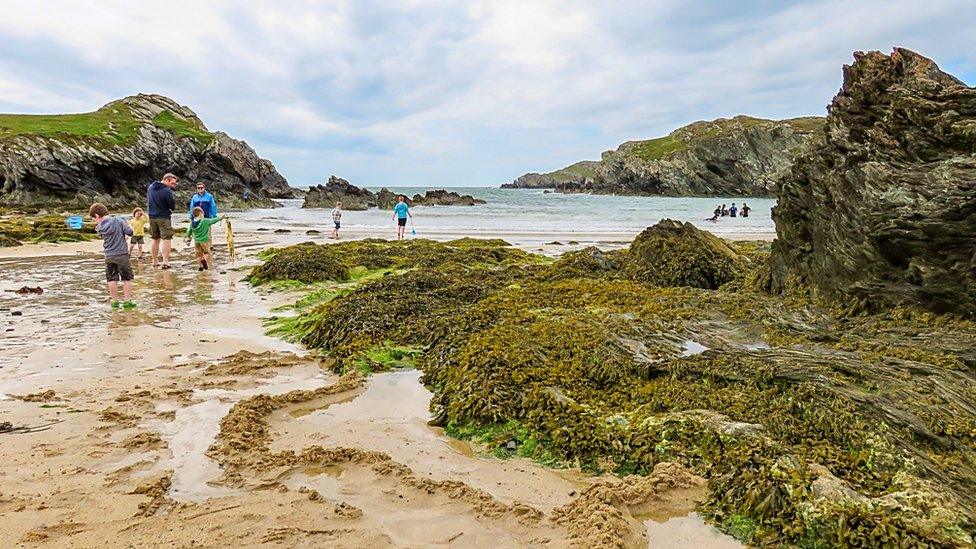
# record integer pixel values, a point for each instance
(881, 209)
(111, 155)
(742, 156)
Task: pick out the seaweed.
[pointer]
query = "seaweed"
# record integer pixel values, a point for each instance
(16, 230)
(675, 254)
(839, 429)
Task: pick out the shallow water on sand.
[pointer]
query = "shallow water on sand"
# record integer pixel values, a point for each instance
(690, 530)
(193, 430)
(52, 333)
(391, 416)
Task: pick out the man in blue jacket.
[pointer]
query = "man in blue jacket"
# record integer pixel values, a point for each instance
(205, 201)
(160, 204)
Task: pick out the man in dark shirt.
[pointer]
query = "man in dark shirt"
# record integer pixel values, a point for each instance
(160, 205)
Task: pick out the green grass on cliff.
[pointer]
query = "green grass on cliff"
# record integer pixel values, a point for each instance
(583, 169)
(184, 128)
(663, 147)
(656, 149)
(106, 126)
(111, 126)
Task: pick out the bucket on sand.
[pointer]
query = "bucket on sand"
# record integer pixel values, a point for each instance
(74, 222)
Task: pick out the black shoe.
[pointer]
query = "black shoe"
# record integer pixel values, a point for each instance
(200, 268)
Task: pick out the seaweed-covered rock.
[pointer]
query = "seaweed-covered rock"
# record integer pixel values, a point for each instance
(814, 427)
(675, 254)
(588, 262)
(338, 189)
(881, 211)
(308, 262)
(17, 229)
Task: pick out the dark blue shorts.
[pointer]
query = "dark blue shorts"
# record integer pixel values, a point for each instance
(337, 225)
(402, 221)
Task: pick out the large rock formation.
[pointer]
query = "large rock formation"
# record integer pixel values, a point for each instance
(111, 155)
(357, 198)
(881, 210)
(742, 156)
(338, 189)
(440, 197)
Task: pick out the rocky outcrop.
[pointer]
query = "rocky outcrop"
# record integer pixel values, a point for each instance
(576, 174)
(338, 189)
(881, 210)
(741, 156)
(111, 155)
(441, 197)
(356, 198)
(386, 199)
(672, 253)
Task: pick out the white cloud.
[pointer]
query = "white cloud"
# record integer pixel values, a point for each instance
(486, 89)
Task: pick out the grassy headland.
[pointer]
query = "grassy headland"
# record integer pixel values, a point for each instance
(113, 125)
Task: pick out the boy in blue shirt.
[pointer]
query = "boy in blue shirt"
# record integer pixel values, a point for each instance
(400, 212)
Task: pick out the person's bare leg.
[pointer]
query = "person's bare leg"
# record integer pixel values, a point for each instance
(167, 244)
(113, 290)
(140, 250)
(155, 252)
(131, 247)
(127, 289)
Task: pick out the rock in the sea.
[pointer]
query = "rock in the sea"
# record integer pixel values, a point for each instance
(113, 154)
(338, 189)
(442, 197)
(386, 199)
(672, 253)
(881, 210)
(741, 156)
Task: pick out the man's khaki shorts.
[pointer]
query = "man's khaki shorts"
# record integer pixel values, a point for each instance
(160, 228)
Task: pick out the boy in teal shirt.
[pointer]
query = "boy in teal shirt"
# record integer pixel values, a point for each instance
(199, 229)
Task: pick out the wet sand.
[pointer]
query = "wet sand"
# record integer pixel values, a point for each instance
(125, 455)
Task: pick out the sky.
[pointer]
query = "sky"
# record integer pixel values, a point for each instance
(452, 93)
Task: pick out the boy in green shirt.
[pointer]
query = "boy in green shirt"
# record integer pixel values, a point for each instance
(199, 229)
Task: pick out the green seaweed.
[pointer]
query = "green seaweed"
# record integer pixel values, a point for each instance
(843, 429)
(18, 229)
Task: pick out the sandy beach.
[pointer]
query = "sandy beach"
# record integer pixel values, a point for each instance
(181, 423)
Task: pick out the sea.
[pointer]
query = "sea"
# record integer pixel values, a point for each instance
(531, 216)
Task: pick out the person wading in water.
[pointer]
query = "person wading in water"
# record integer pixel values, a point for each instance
(160, 204)
(401, 211)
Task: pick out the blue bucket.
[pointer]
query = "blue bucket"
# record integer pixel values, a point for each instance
(74, 222)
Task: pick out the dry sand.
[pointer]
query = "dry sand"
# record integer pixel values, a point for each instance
(180, 423)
